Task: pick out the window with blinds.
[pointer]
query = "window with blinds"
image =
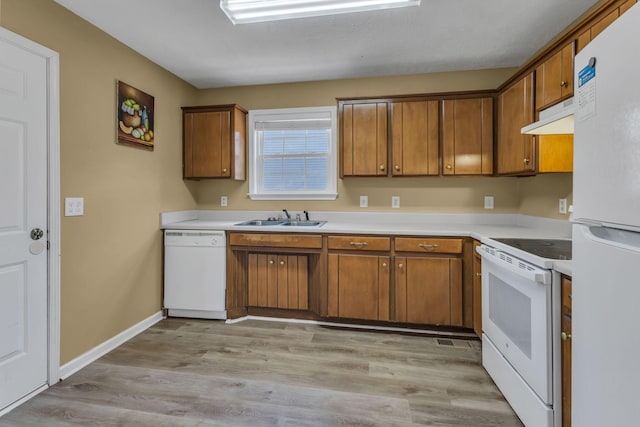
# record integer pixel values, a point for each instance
(292, 153)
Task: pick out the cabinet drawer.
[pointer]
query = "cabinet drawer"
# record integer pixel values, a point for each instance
(414, 244)
(313, 241)
(360, 243)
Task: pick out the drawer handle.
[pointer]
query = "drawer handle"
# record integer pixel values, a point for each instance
(358, 244)
(427, 246)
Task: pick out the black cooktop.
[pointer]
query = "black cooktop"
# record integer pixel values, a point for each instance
(544, 248)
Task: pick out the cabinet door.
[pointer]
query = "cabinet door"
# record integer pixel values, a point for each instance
(467, 136)
(358, 286)
(278, 281)
(428, 290)
(415, 138)
(515, 110)
(207, 140)
(554, 78)
(214, 142)
(364, 139)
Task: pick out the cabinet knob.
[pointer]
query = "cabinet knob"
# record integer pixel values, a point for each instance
(564, 83)
(384, 264)
(397, 168)
(281, 262)
(400, 265)
(526, 161)
(224, 170)
(449, 167)
(271, 261)
(381, 167)
(479, 274)
(564, 336)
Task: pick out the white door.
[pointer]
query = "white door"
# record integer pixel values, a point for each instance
(23, 208)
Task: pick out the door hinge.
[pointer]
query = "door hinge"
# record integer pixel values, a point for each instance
(48, 245)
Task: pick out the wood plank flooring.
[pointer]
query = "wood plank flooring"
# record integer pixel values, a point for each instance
(256, 373)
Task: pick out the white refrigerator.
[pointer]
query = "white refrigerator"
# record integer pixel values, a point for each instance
(606, 230)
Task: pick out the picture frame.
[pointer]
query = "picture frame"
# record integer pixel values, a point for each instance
(135, 117)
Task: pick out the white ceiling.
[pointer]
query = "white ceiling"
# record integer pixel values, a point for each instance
(194, 39)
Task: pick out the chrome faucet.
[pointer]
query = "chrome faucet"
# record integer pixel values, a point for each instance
(286, 213)
(306, 215)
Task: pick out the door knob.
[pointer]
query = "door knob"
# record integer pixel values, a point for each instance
(36, 234)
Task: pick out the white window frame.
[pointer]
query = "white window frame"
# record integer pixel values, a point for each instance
(255, 157)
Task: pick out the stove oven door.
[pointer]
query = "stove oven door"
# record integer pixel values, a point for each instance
(516, 317)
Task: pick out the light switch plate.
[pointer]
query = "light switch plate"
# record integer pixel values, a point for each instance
(74, 206)
(488, 202)
(223, 201)
(364, 201)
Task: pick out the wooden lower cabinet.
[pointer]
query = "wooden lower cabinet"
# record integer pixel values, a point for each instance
(428, 290)
(566, 350)
(278, 281)
(358, 286)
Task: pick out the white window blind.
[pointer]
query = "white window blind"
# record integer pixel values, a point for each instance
(293, 154)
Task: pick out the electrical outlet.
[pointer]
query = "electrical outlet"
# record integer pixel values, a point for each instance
(223, 200)
(488, 202)
(364, 201)
(395, 202)
(74, 206)
(562, 206)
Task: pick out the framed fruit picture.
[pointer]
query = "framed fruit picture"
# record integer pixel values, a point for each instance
(135, 117)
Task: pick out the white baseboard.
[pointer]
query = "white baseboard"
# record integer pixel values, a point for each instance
(97, 352)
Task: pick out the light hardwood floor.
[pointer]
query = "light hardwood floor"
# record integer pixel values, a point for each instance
(257, 373)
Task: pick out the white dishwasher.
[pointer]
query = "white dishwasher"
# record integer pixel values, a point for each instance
(195, 273)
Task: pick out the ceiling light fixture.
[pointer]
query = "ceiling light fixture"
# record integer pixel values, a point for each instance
(250, 11)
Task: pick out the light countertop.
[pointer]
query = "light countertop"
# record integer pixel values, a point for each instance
(477, 226)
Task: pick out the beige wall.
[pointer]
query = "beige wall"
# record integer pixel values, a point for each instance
(539, 195)
(111, 257)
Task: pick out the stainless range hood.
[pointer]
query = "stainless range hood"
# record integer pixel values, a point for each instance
(556, 120)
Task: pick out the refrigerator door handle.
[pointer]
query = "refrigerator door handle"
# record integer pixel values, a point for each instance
(621, 239)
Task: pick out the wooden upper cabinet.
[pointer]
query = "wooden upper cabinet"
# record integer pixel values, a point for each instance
(214, 140)
(515, 109)
(363, 131)
(414, 138)
(600, 24)
(554, 78)
(467, 136)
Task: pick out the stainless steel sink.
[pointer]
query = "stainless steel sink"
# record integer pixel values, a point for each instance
(261, 222)
(283, 222)
(295, 223)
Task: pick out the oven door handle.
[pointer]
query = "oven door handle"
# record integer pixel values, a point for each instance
(514, 265)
